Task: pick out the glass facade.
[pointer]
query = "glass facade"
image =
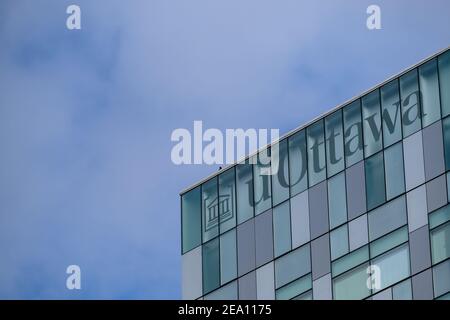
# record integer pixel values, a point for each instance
(357, 210)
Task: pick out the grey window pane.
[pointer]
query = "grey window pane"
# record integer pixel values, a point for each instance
(228, 292)
(247, 286)
(228, 256)
(388, 242)
(373, 141)
(211, 267)
(351, 285)
(336, 200)
(436, 193)
(356, 190)
(280, 180)
(265, 282)
(192, 274)
(339, 242)
(191, 219)
(411, 110)
(318, 209)
(246, 247)
(391, 113)
(298, 167)
(433, 150)
(358, 232)
(210, 210)
(387, 218)
(439, 217)
(316, 153)
(440, 243)
(375, 184)
(350, 261)
(402, 291)
(262, 185)
(419, 244)
(322, 288)
(441, 278)
(429, 88)
(334, 143)
(422, 285)
(353, 133)
(417, 208)
(395, 175)
(413, 159)
(282, 229)
(394, 266)
(320, 256)
(294, 288)
(264, 238)
(227, 200)
(244, 192)
(300, 219)
(444, 82)
(292, 266)
(446, 129)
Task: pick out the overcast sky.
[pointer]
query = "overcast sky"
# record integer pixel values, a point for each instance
(86, 117)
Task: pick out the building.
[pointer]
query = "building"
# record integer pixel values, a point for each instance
(358, 209)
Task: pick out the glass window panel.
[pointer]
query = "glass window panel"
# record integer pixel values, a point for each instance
(429, 88)
(305, 296)
(228, 292)
(262, 185)
(337, 204)
(373, 141)
(402, 291)
(441, 278)
(244, 192)
(391, 113)
(227, 200)
(292, 266)
(191, 219)
(375, 184)
(351, 285)
(339, 242)
(297, 163)
(210, 210)
(395, 173)
(350, 261)
(444, 297)
(389, 241)
(334, 143)
(316, 153)
(228, 257)
(282, 229)
(446, 129)
(439, 216)
(211, 267)
(280, 179)
(444, 82)
(387, 218)
(294, 288)
(393, 266)
(411, 111)
(440, 243)
(353, 133)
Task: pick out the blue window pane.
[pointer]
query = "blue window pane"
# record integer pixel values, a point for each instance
(280, 179)
(282, 228)
(228, 256)
(440, 243)
(411, 109)
(211, 267)
(375, 187)
(262, 185)
(316, 153)
(244, 192)
(227, 200)
(191, 219)
(353, 133)
(446, 129)
(395, 173)
(444, 82)
(334, 143)
(339, 242)
(210, 210)
(298, 167)
(391, 113)
(429, 89)
(373, 141)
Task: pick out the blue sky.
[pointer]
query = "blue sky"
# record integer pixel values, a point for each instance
(86, 117)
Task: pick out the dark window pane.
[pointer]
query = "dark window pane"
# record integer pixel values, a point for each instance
(211, 267)
(261, 179)
(391, 113)
(298, 167)
(334, 143)
(444, 81)
(227, 200)
(395, 174)
(411, 111)
(244, 188)
(280, 179)
(210, 210)
(282, 229)
(375, 188)
(429, 88)
(440, 243)
(316, 153)
(446, 129)
(228, 256)
(373, 141)
(191, 219)
(353, 133)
